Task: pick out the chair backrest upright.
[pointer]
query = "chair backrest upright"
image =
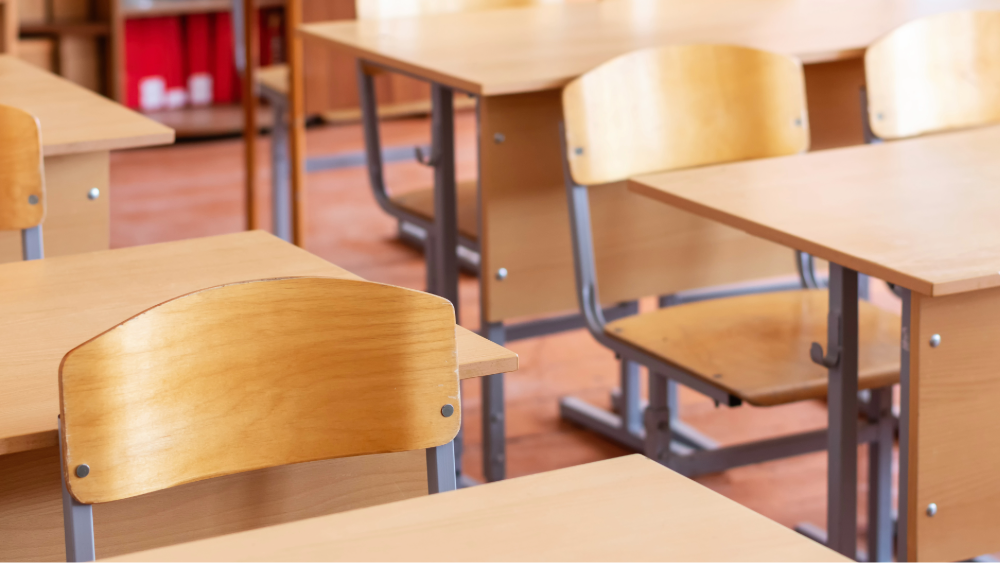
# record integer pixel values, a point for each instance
(254, 375)
(681, 106)
(22, 177)
(937, 73)
(374, 9)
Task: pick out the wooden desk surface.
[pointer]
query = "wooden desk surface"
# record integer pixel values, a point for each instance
(921, 213)
(49, 306)
(624, 509)
(74, 119)
(541, 48)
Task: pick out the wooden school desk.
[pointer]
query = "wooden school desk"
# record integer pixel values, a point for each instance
(516, 61)
(49, 306)
(624, 509)
(921, 214)
(79, 128)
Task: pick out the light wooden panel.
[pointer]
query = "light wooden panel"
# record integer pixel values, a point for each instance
(611, 510)
(833, 95)
(940, 72)
(642, 249)
(74, 223)
(954, 428)
(31, 522)
(8, 26)
(681, 106)
(920, 213)
(372, 9)
(766, 338)
(74, 120)
(532, 49)
(23, 179)
(254, 375)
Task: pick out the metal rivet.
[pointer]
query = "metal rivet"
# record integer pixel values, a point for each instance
(498, 458)
(578, 150)
(502, 274)
(798, 122)
(499, 138)
(82, 470)
(932, 509)
(496, 417)
(880, 116)
(717, 376)
(93, 193)
(447, 411)
(935, 340)
(33, 199)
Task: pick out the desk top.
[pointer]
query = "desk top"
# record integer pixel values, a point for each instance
(47, 307)
(74, 119)
(921, 213)
(624, 509)
(542, 48)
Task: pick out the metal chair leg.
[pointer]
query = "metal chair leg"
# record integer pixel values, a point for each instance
(281, 204)
(441, 476)
(32, 246)
(78, 521)
(880, 524)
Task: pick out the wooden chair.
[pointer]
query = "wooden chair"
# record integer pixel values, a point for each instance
(254, 375)
(682, 106)
(22, 179)
(933, 74)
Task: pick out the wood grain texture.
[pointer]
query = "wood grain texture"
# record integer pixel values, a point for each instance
(47, 309)
(756, 347)
(421, 203)
(254, 375)
(541, 48)
(955, 433)
(919, 212)
(680, 106)
(937, 73)
(603, 511)
(73, 119)
(23, 178)
(526, 226)
(74, 223)
(31, 520)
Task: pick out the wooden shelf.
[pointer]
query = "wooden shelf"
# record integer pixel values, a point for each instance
(66, 28)
(209, 121)
(153, 8)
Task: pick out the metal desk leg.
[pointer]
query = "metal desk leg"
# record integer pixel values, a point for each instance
(494, 424)
(842, 363)
(445, 237)
(880, 524)
(902, 548)
(281, 204)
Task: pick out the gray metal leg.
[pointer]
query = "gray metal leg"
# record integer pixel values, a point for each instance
(441, 475)
(631, 407)
(880, 524)
(281, 204)
(78, 522)
(657, 420)
(32, 246)
(842, 364)
(445, 227)
(494, 424)
(902, 553)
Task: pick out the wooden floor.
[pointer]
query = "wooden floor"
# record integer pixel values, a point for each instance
(195, 189)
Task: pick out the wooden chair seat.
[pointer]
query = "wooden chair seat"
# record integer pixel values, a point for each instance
(756, 347)
(275, 77)
(421, 203)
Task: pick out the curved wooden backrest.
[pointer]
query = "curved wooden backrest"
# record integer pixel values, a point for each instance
(372, 9)
(682, 106)
(254, 375)
(22, 181)
(936, 73)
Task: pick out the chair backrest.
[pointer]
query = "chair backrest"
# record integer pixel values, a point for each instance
(936, 73)
(680, 106)
(373, 9)
(254, 375)
(22, 181)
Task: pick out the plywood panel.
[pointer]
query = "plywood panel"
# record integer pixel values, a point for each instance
(954, 428)
(642, 248)
(31, 505)
(73, 222)
(833, 93)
